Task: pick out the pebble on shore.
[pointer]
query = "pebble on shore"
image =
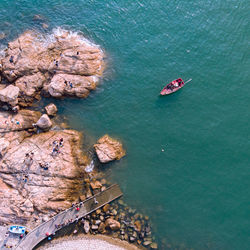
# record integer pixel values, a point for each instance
(98, 242)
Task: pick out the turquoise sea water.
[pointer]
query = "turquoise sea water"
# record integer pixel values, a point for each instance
(197, 190)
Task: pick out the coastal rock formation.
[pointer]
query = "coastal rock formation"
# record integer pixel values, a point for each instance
(63, 63)
(108, 149)
(71, 85)
(9, 95)
(30, 87)
(36, 180)
(23, 120)
(44, 122)
(51, 109)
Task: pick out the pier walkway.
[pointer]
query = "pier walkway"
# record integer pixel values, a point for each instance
(39, 233)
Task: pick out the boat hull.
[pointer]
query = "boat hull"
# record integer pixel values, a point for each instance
(172, 87)
(15, 229)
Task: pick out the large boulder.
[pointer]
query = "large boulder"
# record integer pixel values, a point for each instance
(9, 95)
(108, 149)
(71, 85)
(2, 35)
(44, 122)
(51, 109)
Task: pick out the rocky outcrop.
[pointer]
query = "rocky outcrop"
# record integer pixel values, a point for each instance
(9, 95)
(108, 149)
(35, 179)
(44, 122)
(30, 87)
(71, 85)
(23, 120)
(51, 109)
(63, 63)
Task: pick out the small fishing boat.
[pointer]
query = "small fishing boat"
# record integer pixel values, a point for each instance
(173, 86)
(15, 229)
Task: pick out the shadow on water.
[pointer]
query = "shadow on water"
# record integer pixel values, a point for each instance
(169, 99)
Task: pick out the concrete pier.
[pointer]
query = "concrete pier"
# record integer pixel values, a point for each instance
(49, 227)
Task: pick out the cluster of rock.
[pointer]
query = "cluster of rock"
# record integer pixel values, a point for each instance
(43, 169)
(41, 173)
(116, 219)
(38, 177)
(119, 221)
(62, 64)
(36, 181)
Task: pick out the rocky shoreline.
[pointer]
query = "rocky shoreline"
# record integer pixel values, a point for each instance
(43, 168)
(61, 64)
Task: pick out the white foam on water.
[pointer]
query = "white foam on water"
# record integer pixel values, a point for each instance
(2, 51)
(74, 34)
(47, 39)
(89, 168)
(95, 79)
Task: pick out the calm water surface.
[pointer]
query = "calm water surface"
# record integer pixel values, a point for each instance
(187, 163)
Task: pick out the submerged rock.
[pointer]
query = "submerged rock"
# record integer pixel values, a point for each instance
(147, 243)
(45, 25)
(153, 246)
(38, 17)
(108, 149)
(2, 35)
